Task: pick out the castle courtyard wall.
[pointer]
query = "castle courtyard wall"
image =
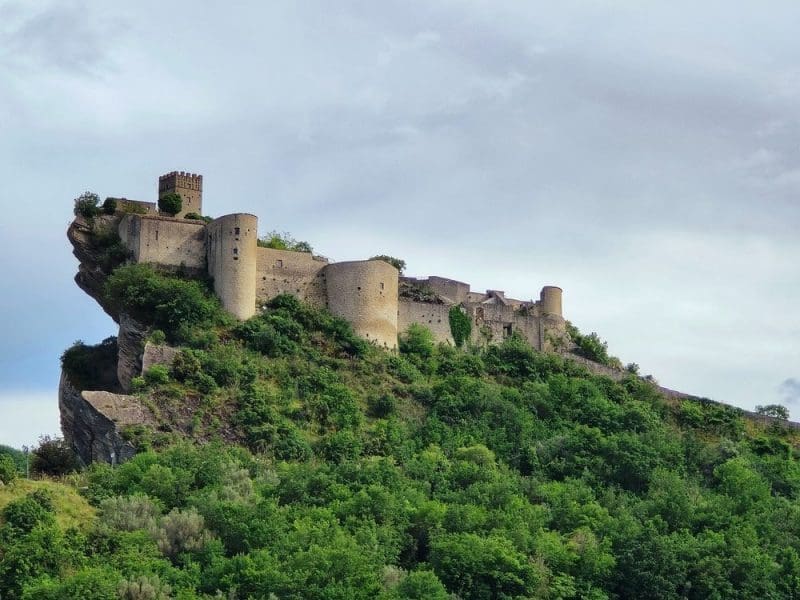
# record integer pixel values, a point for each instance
(165, 241)
(289, 272)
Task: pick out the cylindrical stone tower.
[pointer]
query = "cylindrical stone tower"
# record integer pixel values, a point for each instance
(551, 300)
(365, 294)
(231, 246)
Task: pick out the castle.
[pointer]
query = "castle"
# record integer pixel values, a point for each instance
(370, 294)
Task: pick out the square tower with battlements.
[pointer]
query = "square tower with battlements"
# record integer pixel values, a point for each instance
(188, 185)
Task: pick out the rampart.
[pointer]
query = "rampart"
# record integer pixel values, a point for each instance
(369, 294)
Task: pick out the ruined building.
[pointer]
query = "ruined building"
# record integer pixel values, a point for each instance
(370, 294)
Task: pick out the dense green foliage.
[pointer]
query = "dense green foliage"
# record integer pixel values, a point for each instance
(86, 205)
(397, 263)
(592, 347)
(460, 325)
(170, 204)
(91, 367)
(174, 305)
(110, 206)
(283, 241)
(337, 470)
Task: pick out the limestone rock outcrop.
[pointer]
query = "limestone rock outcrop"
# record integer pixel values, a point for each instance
(130, 344)
(92, 422)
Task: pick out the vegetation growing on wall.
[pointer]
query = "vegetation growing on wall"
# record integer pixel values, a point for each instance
(397, 263)
(460, 325)
(170, 204)
(283, 241)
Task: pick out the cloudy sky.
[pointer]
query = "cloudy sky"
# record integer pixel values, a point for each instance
(642, 156)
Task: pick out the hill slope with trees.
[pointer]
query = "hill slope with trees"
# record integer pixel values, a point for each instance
(293, 460)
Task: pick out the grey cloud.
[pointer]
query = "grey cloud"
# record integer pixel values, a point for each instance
(790, 390)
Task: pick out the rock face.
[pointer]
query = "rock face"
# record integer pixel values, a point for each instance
(91, 422)
(157, 354)
(130, 342)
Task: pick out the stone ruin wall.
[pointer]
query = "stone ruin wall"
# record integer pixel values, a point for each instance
(290, 272)
(435, 317)
(165, 241)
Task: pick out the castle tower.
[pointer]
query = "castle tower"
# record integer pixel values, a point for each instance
(188, 185)
(365, 293)
(551, 300)
(232, 250)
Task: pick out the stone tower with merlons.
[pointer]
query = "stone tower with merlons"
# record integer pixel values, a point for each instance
(190, 188)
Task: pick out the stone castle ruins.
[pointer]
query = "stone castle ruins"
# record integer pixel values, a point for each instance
(370, 294)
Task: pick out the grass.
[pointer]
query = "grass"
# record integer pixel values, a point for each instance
(71, 509)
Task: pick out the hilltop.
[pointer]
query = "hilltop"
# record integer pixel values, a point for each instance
(285, 456)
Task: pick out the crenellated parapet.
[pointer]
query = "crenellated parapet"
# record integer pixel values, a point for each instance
(189, 186)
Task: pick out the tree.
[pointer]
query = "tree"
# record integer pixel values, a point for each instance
(773, 410)
(54, 457)
(284, 241)
(8, 470)
(397, 263)
(170, 204)
(86, 205)
(110, 206)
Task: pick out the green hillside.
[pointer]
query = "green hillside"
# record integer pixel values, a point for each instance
(293, 460)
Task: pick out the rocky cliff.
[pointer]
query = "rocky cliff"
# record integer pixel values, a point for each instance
(93, 422)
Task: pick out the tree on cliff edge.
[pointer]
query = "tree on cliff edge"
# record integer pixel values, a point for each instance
(170, 204)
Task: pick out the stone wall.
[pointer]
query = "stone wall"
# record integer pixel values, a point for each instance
(232, 258)
(288, 272)
(165, 241)
(366, 294)
(435, 317)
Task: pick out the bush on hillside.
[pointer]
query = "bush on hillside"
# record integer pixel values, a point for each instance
(54, 457)
(86, 205)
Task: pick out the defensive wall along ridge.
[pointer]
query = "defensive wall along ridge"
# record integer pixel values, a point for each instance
(370, 294)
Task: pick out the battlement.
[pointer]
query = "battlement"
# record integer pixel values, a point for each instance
(169, 181)
(189, 186)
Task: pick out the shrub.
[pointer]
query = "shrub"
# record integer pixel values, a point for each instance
(193, 216)
(110, 206)
(417, 340)
(8, 470)
(382, 406)
(170, 204)
(144, 587)
(460, 325)
(283, 241)
(181, 531)
(156, 375)
(86, 205)
(22, 515)
(129, 513)
(54, 457)
(88, 367)
(397, 263)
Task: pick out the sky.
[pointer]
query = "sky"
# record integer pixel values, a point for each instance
(642, 156)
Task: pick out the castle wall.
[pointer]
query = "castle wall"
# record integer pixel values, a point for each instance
(165, 241)
(435, 317)
(289, 272)
(365, 294)
(232, 259)
(136, 206)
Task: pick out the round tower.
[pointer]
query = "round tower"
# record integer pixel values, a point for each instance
(551, 300)
(231, 246)
(365, 294)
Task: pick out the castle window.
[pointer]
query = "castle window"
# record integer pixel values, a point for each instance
(279, 264)
(235, 251)
(507, 330)
(382, 286)
(236, 231)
